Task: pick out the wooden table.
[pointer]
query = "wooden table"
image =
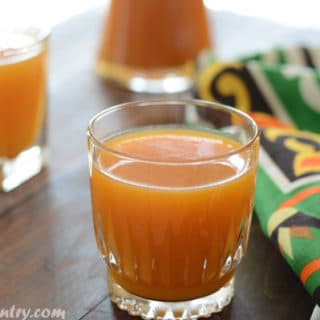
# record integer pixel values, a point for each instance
(47, 247)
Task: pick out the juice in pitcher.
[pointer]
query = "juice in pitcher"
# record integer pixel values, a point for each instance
(152, 45)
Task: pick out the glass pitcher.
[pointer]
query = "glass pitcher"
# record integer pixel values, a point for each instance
(151, 45)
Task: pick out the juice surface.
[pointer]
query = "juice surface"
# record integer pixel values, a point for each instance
(22, 94)
(146, 34)
(168, 228)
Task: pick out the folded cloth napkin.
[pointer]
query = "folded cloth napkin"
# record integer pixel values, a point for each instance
(280, 82)
(281, 90)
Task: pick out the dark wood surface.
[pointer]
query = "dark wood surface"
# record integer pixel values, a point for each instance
(48, 254)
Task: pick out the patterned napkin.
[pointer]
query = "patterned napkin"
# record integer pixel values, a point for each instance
(281, 90)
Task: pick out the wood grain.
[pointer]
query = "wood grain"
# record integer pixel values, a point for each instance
(48, 255)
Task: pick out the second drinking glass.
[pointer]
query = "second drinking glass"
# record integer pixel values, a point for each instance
(23, 104)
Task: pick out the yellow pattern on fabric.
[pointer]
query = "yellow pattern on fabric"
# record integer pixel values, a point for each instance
(278, 217)
(306, 158)
(284, 240)
(273, 134)
(298, 146)
(228, 84)
(301, 165)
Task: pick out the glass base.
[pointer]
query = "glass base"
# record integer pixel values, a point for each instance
(181, 310)
(171, 80)
(14, 172)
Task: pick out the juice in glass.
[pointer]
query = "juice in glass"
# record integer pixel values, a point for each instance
(23, 57)
(172, 206)
(145, 42)
(169, 229)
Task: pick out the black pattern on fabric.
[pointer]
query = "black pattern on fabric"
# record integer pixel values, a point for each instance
(285, 157)
(300, 219)
(307, 57)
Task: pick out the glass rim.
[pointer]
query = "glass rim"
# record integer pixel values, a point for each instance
(41, 35)
(149, 103)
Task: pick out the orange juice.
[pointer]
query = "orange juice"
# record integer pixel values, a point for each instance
(22, 92)
(152, 46)
(146, 34)
(169, 224)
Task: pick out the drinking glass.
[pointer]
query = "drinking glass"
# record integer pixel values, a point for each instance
(172, 186)
(23, 101)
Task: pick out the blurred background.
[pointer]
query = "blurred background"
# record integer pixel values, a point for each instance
(51, 12)
(293, 18)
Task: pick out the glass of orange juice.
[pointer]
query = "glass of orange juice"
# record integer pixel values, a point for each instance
(172, 186)
(23, 77)
(151, 46)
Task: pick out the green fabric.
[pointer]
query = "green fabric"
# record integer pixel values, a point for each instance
(290, 87)
(283, 84)
(285, 186)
